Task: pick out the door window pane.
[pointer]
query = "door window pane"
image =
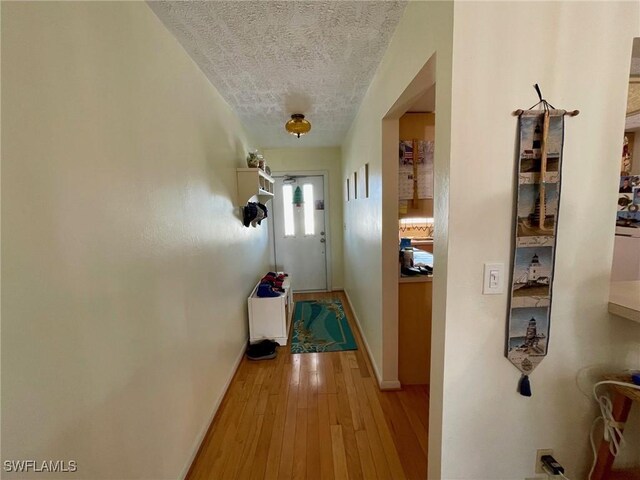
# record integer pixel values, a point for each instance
(309, 220)
(287, 203)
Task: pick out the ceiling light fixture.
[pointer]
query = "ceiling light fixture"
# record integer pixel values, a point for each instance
(297, 125)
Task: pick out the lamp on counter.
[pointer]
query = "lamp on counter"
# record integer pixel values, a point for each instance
(298, 199)
(297, 125)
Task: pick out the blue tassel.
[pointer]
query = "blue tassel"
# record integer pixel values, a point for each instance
(524, 387)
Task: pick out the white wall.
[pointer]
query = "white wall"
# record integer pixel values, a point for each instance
(318, 159)
(424, 30)
(579, 53)
(423, 33)
(125, 267)
(501, 49)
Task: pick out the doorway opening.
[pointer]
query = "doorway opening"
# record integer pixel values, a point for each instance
(415, 238)
(625, 268)
(300, 229)
(409, 211)
(414, 213)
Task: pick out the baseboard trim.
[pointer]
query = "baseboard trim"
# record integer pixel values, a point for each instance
(382, 384)
(201, 436)
(390, 385)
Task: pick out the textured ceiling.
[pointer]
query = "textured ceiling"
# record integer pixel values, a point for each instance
(271, 59)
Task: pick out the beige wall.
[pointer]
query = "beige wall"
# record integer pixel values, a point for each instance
(124, 264)
(500, 50)
(423, 33)
(318, 159)
(495, 62)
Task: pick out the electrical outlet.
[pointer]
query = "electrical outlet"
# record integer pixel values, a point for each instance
(539, 454)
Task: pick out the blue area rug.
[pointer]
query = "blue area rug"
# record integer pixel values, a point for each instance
(321, 326)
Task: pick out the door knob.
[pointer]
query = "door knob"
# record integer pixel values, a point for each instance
(322, 240)
(321, 233)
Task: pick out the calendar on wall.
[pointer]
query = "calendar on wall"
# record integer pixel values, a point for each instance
(415, 172)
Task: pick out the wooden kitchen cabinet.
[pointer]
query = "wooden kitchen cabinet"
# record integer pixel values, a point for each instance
(414, 332)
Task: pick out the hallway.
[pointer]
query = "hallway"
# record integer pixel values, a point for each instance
(316, 415)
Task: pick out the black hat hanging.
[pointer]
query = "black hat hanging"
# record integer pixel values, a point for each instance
(253, 214)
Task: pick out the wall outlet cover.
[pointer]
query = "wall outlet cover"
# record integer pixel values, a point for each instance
(539, 454)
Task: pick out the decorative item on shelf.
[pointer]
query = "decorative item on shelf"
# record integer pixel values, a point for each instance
(297, 126)
(267, 169)
(538, 198)
(261, 164)
(253, 160)
(298, 198)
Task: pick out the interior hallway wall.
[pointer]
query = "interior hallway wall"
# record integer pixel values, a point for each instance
(500, 50)
(318, 159)
(371, 278)
(125, 266)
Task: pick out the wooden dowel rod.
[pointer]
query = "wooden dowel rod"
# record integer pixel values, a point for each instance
(571, 113)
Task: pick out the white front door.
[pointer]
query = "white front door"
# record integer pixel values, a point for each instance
(299, 231)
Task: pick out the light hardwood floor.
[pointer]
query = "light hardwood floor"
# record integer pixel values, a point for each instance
(315, 416)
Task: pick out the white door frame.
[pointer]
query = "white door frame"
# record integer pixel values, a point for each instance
(327, 216)
(423, 81)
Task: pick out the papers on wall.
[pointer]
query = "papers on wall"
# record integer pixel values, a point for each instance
(420, 177)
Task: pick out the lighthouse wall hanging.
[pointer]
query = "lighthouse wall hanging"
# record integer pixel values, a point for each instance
(536, 219)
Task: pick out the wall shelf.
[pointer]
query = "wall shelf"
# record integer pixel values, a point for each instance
(254, 185)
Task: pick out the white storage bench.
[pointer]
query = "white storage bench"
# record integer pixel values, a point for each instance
(270, 317)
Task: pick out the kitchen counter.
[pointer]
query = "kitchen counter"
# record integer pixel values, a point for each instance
(421, 242)
(415, 279)
(624, 299)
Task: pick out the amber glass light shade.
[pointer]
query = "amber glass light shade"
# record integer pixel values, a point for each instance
(297, 125)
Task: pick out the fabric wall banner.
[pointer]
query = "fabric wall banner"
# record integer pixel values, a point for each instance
(536, 220)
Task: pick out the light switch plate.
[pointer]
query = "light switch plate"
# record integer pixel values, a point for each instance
(493, 279)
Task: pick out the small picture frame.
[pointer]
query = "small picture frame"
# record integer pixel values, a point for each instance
(363, 181)
(356, 193)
